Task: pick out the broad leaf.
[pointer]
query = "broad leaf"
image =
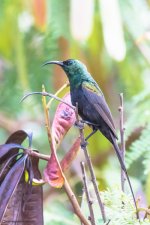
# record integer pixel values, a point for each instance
(8, 154)
(17, 137)
(70, 155)
(13, 142)
(63, 120)
(9, 151)
(32, 207)
(6, 148)
(6, 166)
(26, 203)
(53, 172)
(14, 208)
(12, 178)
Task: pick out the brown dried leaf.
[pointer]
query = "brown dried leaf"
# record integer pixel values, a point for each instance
(53, 172)
(63, 120)
(71, 155)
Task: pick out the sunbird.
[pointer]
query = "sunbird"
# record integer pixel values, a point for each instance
(92, 106)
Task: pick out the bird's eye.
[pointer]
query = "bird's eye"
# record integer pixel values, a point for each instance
(68, 62)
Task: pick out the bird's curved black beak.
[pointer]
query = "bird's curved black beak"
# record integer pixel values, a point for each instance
(60, 63)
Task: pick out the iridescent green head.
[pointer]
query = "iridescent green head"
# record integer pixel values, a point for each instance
(74, 69)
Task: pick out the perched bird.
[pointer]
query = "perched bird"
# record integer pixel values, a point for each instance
(92, 106)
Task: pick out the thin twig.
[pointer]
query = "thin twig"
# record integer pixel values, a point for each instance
(89, 201)
(147, 212)
(35, 154)
(57, 93)
(75, 203)
(89, 163)
(64, 163)
(122, 129)
(93, 178)
(47, 119)
(124, 174)
(49, 95)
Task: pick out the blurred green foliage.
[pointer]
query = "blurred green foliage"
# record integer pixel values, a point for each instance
(39, 30)
(65, 217)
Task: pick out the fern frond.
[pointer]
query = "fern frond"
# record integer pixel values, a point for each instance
(139, 113)
(120, 209)
(146, 163)
(139, 148)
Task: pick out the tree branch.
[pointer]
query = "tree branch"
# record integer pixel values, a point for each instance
(49, 95)
(89, 163)
(75, 203)
(57, 93)
(89, 201)
(122, 129)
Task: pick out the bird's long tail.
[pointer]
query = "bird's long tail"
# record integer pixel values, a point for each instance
(117, 150)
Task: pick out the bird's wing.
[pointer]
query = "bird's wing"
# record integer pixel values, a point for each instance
(95, 97)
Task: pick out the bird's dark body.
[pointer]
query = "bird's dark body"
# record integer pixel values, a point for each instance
(92, 106)
(88, 112)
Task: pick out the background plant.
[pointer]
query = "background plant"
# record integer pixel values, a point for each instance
(36, 31)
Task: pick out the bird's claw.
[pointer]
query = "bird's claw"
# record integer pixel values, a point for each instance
(79, 124)
(89, 123)
(84, 144)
